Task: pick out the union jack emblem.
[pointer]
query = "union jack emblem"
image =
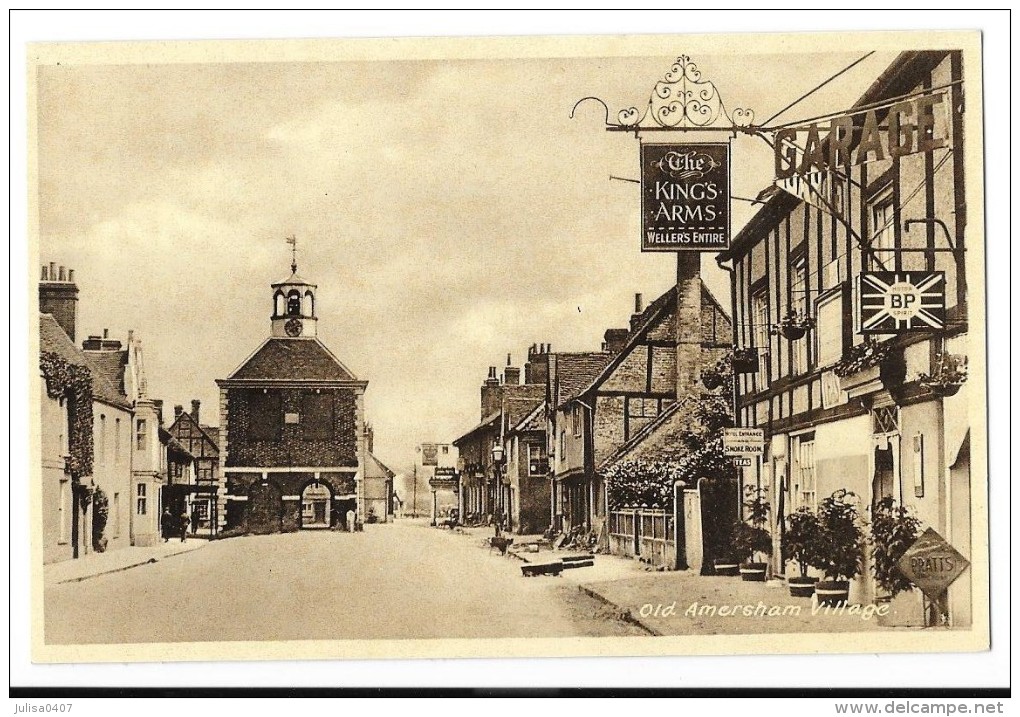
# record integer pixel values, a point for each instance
(893, 302)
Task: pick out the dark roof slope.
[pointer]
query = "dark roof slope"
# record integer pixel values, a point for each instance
(112, 365)
(574, 371)
(487, 421)
(281, 359)
(53, 339)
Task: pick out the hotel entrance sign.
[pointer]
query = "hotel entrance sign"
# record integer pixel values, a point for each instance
(743, 441)
(685, 197)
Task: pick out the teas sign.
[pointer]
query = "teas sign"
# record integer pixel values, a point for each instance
(685, 197)
(932, 564)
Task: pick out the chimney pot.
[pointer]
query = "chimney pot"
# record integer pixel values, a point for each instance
(637, 304)
(106, 333)
(508, 359)
(178, 410)
(63, 276)
(195, 406)
(53, 271)
(70, 275)
(45, 273)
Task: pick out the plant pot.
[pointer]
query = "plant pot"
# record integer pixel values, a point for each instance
(945, 390)
(801, 586)
(832, 592)
(753, 572)
(793, 333)
(726, 566)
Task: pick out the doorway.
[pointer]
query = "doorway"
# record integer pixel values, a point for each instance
(315, 500)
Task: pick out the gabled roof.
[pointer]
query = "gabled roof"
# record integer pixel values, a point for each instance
(301, 359)
(112, 365)
(211, 433)
(641, 435)
(534, 421)
(173, 446)
(574, 371)
(648, 317)
(489, 420)
(375, 468)
(53, 339)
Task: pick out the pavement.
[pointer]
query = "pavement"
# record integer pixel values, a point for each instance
(686, 603)
(94, 564)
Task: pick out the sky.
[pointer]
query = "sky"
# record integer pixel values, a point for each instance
(449, 210)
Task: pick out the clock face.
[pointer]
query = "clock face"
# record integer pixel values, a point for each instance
(292, 327)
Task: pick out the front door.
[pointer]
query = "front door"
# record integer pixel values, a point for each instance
(315, 500)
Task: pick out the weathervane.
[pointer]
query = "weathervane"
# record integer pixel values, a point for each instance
(292, 240)
(681, 101)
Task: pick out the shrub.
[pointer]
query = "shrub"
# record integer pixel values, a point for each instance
(841, 539)
(893, 531)
(802, 538)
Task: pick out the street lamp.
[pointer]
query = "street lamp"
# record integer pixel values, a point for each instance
(497, 460)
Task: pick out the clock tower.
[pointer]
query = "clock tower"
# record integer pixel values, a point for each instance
(294, 307)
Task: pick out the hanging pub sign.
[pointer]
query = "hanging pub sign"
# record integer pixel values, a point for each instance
(894, 302)
(685, 197)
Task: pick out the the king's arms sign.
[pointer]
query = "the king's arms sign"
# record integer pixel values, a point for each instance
(685, 197)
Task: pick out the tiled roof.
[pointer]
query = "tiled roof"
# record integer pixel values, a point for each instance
(645, 431)
(487, 421)
(280, 359)
(173, 446)
(534, 421)
(375, 468)
(574, 371)
(213, 432)
(111, 364)
(53, 339)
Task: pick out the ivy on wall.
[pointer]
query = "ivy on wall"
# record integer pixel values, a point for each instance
(696, 452)
(74, 384)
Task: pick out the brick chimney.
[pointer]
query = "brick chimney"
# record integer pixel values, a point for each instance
(635, 318)
(195, 406)
(688, 324)
(101, 343)
(178, 410)
(158, 405)
(492, 393)
(536, 370)
(615, 340)
(58, 295)
(511, 374)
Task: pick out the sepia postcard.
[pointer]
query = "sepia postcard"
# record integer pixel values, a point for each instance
(500, 347)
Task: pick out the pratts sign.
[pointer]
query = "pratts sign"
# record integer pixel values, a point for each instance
(685, 197)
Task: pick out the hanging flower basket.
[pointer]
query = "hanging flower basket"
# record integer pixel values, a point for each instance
(745, 360)
(711, 380)
(949, 373)
(871, 365)
(795, 325)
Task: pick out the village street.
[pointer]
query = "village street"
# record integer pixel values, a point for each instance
(394, 581)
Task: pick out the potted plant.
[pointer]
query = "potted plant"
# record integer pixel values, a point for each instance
(869, 362)
(794, 325)
(893, 530)
(801, 545)
(948, 374)
(750, 538)
(840, 546)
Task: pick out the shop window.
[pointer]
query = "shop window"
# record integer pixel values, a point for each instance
(804, 490)
(883, 231)
(799, 301)
(829, 328)
(760, 331)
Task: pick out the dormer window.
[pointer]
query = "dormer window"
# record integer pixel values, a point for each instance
(294, 303)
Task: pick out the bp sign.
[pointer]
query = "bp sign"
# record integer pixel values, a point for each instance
(893, 302)
(685, 197)
(932, 564)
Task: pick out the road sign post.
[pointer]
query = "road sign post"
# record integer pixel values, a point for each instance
(932, 564)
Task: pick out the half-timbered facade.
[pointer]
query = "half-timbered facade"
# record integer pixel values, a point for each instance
(202, 443)
(850, 404)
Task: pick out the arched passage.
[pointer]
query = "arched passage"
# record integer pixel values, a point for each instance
(316, 504)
